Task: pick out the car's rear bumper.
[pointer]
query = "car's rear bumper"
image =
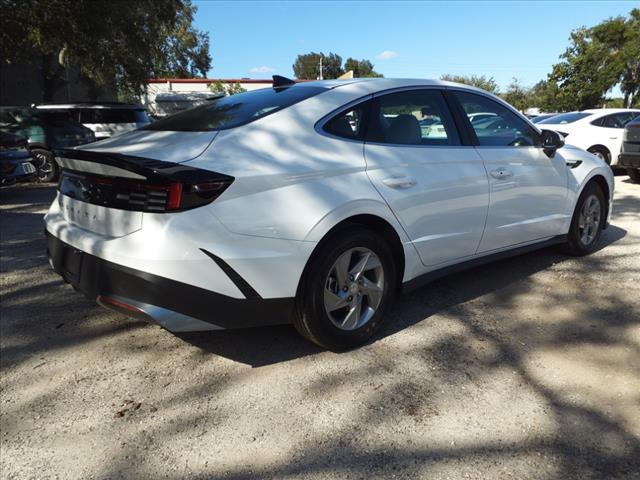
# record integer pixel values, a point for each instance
(629, 160)
(175, 305)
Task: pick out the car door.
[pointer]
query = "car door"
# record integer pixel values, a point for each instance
(528, 188)
(609, 130)
(437, 188)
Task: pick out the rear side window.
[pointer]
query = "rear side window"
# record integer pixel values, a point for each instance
(412, 117)
(235, 110)
(348, 124)
(565, 118)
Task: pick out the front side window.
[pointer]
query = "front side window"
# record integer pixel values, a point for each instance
(503, 129)
(413, 117)
(235, 110)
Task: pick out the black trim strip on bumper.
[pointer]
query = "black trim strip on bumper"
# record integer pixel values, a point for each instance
(246, 289)
(94, 276)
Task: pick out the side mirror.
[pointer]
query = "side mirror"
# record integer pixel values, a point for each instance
(551, 141)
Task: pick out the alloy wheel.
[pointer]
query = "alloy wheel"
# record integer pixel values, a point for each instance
(354, 288)
(45, 167)
(589, 219)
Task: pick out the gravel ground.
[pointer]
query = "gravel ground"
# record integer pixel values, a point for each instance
(526, 368)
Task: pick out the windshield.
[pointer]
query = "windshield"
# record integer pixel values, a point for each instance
(235, 110)
(565, 118)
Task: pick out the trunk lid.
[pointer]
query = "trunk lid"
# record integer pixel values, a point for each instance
(176, 147)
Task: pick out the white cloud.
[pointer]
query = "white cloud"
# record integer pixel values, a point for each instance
(262, 69)
(387, 55)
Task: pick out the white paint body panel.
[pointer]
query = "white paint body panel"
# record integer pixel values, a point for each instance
(444, 208)
(530, 203)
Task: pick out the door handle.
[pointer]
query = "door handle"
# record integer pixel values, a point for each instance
(501, 173)
(399, 182)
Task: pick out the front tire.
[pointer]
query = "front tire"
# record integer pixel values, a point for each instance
(47, 168)
(347, 287)
(587, 222)
(634, 174)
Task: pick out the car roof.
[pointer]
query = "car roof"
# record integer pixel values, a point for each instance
(609, 110)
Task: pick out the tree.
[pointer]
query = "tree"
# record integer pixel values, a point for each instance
(480, 81)
(597, 59)
(545, 95)
(361, 68)
(517, 95)
(226, 88)
(307, 66)
(117, 44)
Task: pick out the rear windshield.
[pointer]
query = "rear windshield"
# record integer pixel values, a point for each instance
(565, 118)
(235, 110)
(113, 115)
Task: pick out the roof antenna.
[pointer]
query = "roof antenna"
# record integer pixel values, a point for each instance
(280, 81)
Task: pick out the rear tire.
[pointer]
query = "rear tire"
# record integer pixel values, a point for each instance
(346, 289)
(47, 167)
(587, 222)
(634, 174)
(602, 153)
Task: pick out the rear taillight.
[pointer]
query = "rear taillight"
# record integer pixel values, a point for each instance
(154, 196)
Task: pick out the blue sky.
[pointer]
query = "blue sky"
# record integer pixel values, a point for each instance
(403, 39)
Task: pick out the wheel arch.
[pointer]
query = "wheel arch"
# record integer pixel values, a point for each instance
(601, 181)
(599, 146)
(375, 223)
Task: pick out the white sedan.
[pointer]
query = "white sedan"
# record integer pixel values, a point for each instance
(315, 203)
(598, 131)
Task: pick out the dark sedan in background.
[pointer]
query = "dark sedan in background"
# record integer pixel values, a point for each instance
(45, 131)
(15, 159)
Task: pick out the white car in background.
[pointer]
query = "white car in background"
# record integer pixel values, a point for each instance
(315, 203)
(104, 119)
(598, 131)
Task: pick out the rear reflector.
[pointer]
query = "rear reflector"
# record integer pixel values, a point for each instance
(112, 302)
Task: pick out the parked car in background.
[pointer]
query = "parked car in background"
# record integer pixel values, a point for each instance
(45, 131)
(15, 159)
(629, 157)
(333, 188)
(544, 116)
(104, 119)
(598, 131)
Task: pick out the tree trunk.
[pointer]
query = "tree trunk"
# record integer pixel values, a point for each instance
(51, 77)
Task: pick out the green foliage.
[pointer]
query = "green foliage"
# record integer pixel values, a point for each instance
(307, 66)
(361, 68)
(117, 44)
(226, 88)
(517, 95)
(597, 59)
(480, 81)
